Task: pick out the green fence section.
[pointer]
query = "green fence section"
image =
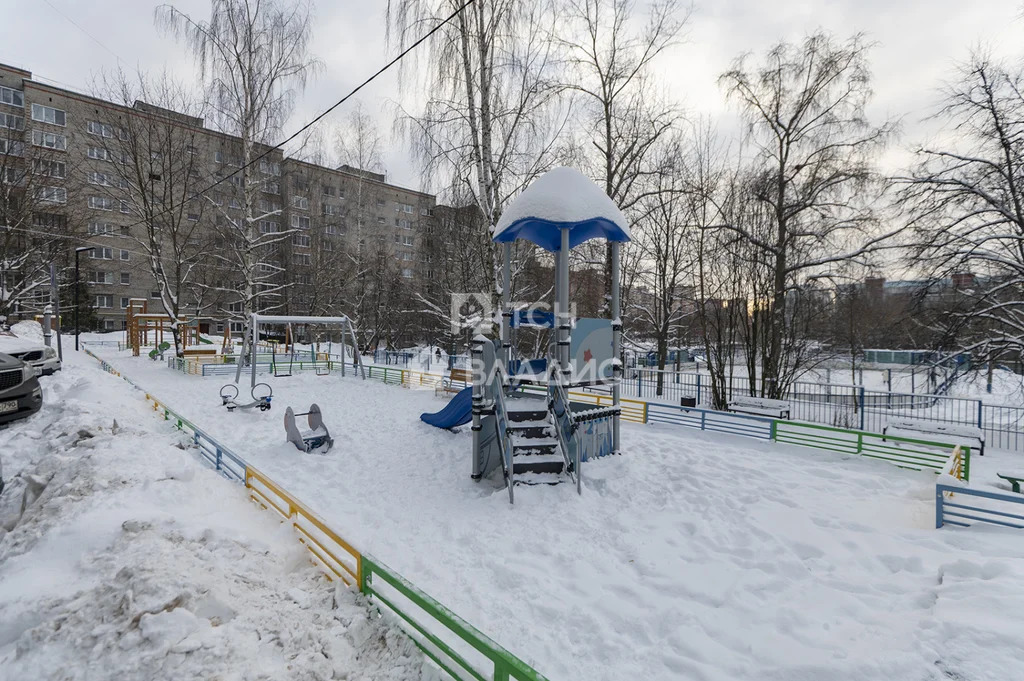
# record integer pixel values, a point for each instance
(386, 374)
(505, 665)
(901, 451)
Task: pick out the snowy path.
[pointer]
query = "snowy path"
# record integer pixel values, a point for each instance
(690, 557)
(134, 561)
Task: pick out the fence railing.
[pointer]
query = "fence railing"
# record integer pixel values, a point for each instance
(843, 405)
(425, 620)
(964, 506)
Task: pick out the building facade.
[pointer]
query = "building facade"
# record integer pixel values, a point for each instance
(142, 184)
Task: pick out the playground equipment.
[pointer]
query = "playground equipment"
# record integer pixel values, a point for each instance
(158, 352)
(250, 340)
(458, 412)
(523, 423)
(143, 328)
(229, 397)
(316, 439)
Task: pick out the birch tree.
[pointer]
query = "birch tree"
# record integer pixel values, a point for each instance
(253, 56)
(805, 106)
(610, 51)
(493, 118)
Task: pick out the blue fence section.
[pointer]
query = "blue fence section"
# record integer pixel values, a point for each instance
(965, 506)
(714, 421)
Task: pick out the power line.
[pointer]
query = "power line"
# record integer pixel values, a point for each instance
(80, 28)
(316, 120)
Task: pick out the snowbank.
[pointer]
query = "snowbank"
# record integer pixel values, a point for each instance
(121, 557)
(692, 556)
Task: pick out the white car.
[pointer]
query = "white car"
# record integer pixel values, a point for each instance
(34, 353)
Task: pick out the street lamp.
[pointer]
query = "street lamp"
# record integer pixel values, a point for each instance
(81, 249)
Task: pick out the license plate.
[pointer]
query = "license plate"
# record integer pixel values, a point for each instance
(9, 406)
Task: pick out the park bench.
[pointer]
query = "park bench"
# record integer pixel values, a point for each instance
(760, 406)
(1014, 480)
(934, 428)
(455, 381)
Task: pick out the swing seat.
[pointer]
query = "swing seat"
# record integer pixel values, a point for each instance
(316, 439)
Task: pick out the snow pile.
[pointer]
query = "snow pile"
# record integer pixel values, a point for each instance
(691, 556)
(29, 330)
(122, 557)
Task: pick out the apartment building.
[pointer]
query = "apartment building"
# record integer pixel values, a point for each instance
(85, 178)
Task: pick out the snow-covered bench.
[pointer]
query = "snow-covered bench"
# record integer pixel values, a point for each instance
(760, 406)
(933, 428)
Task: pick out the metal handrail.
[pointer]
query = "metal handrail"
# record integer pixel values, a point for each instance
(501, 415)
(563, 395)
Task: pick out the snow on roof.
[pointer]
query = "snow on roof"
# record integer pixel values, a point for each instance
(562, 198)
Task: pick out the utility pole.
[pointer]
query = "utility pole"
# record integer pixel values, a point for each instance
(80, 249)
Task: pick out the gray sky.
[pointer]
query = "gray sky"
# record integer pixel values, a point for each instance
(919, 41)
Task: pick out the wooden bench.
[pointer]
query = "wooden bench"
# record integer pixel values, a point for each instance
(933, 428)
(1014, 480)
(760, 406)
(196, 352)
(455, 381)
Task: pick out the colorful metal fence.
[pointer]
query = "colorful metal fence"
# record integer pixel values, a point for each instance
(963, 507)
(458, 648)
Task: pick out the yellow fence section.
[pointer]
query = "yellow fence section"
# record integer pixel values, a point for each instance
(330, 550)
(631, 410)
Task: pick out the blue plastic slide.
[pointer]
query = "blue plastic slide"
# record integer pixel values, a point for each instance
(456, 413)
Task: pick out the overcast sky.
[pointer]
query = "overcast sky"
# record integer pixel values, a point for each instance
(919, 42)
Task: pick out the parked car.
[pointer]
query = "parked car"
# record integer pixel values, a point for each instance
(20, 394)
(42, 358)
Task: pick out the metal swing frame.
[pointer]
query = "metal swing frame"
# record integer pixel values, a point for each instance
(251, 336)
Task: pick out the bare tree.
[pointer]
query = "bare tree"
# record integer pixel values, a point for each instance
(253, 54)
(150, 161)
(965, 199)
(35, 229)
(494, 118)
(813, 172)
(610, 54)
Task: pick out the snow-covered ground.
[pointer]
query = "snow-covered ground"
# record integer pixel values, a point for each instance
(692, 555)
(122, 557)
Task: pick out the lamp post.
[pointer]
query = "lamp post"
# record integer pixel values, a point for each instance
(80, 249)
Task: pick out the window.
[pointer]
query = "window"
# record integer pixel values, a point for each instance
(426, 211)
(407, 256)
(126, 231)
(269, 206)
(328, 209)
(300, 202)
(125, 255)
(156, 156)
(407, 240)
(101, 228)
(101, 202)
(381, 220)
(57, 169)
(235, 203)
(380, 203)
(218, 157)
(235, 307)
(126, 278)
(301, 240)
(99, 129)
(12, 97)
(12, 122)
(303, 279)
(52, 194)
(47, 114)
(269, 168)
(266, 268)
(105, 302)
(97, 277)
(10, 175)
(273, 188)
(193, 217)
(407, 273)
(335, 229)
(300, 222)
(12, 147)
(404, 224)
(124, 301)
(327, 190)
(104, 179)
(125, 208)
(154, 294)
(102, 253)
(48, 140)
(407, 208)
(302, 259)
(99, 154)
(269, 227)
